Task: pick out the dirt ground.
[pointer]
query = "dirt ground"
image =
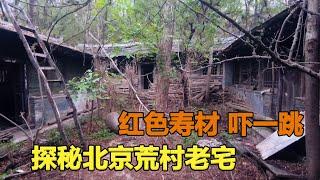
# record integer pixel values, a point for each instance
(245, 167)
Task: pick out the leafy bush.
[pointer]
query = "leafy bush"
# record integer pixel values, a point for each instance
(191, 140)
(103, 134)
(89, 84)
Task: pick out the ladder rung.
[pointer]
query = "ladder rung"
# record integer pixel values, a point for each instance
(54, 80)
(27, 29)
(47, 68)
(39, 55)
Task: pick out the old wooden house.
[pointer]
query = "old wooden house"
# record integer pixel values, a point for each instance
(139, 65)
(264, 86)
(19, 81)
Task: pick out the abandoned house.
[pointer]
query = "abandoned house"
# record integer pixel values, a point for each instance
(139, 65)
(261, 86)
(19, 81)
(266, 87)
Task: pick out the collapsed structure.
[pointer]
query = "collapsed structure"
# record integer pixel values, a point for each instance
(139, 65)
(267, 87)
(261, 86)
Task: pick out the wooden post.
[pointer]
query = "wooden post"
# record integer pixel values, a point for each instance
(207, 90)
(312, 126)
(164, 57)
(280, 90)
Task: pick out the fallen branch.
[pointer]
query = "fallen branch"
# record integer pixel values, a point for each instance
(24, 119)
(17, 175)
(278, 173)
(12, 122)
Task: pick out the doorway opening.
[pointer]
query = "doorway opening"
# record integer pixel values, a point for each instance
(147, 75)
(11, 93)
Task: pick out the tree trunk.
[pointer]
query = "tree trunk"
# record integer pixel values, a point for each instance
(32, 12)
(185, 80)
(100, 65)
(280, 90)
(312, 93)
(207, 88)
(164, 58)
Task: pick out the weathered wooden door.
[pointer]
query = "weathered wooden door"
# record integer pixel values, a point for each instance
(11, 92)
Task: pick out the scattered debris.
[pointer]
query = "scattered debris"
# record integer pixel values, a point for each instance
(111, 121)
(209, 143)
(274, 143)
(275, 172)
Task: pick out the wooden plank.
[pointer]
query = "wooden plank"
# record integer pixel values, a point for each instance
(47, 68)
(274, 143)
(279, 173)
(26, 28)
(263, 131)
(39, 55)
(54, 80)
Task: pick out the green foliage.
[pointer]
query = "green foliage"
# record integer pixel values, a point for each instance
(191, 140)
(142, 21)
(9, 146)
(226, 136)
(89, 84)
(54, 138)
(100, 4)
(3, 175)
(103, 134)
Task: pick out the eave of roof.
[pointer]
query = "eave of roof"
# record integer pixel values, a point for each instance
(266, 24)
(52, 41)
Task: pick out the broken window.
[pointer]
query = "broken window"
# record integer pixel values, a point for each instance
(214, 70)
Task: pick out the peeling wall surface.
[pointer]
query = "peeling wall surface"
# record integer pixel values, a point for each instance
(258, 102)
(36, 107)
(228, 71)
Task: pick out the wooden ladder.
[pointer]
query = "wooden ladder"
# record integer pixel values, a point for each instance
(41, 69)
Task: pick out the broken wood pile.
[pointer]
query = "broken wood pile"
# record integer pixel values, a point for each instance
(5, 136)
(268, 145)
(199, 82)
(175, 95)
(272, 171)
(120, 86)
(264, 132)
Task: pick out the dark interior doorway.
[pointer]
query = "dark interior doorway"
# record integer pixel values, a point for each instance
(11, 92)
(147, 75)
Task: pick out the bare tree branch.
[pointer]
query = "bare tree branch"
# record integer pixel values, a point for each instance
(218, 26)
(257, 41)
(119, 71)
(12, 122)
(282, 29)
(228, 60)
(297, 32)
(65, 15)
